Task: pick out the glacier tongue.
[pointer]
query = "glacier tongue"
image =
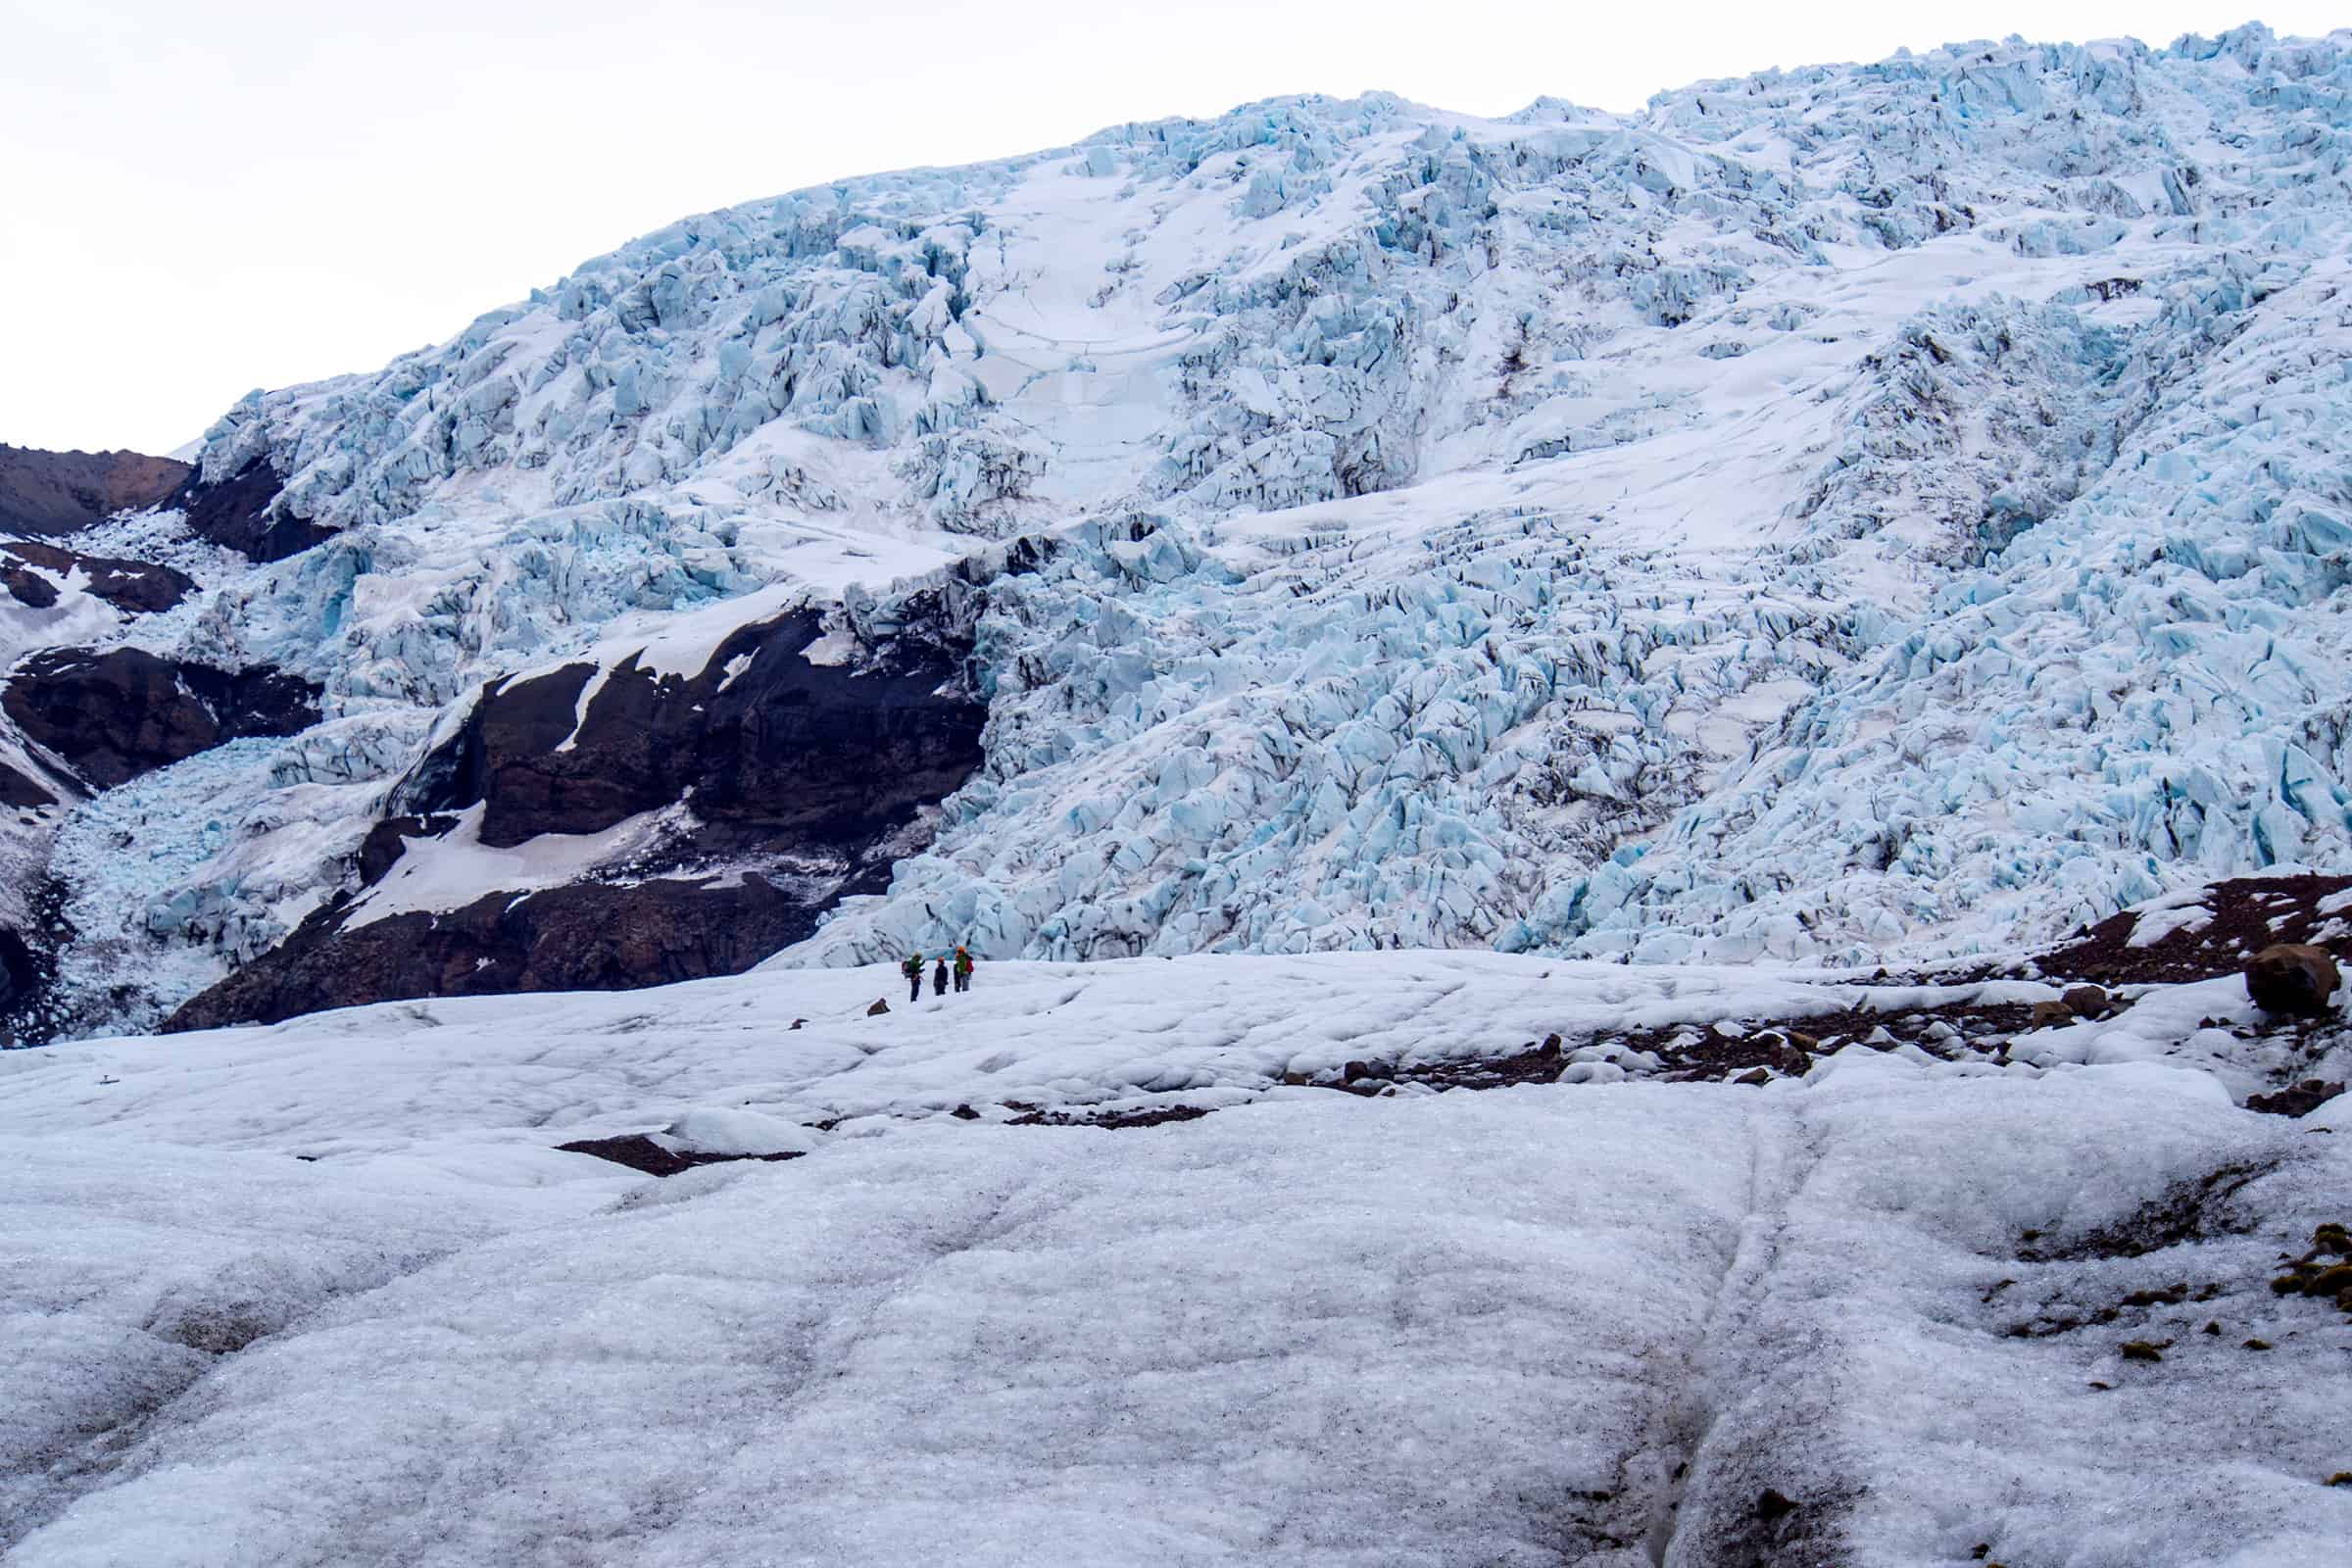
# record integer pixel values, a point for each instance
(1830, 510)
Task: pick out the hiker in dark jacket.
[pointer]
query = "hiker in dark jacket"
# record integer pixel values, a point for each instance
(913, 969)
(964, 968)
(939, 977)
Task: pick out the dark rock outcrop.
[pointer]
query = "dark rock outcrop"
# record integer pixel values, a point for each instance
(247, 512)
(57, 492)
(19, 791)
(799, 780)
(2086, 1001)
(585, 937)
(28, 587)
(20, 970)
(2292, 977)
(135, 587)
(388, 840)
(778, 752)
(641, 1153)
(2296, 1099)
(113, 717)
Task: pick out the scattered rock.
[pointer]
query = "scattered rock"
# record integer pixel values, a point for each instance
(2256, 1345)
(2146, 1349)
(2300, 1101)
(2170, 1295)
(588, 936)
(2329, 1280)
(2086, 1001)
(2050, 1014)
(879, 1007)
(965, 1114)
(248, 512)
(1772, 1505)
(1754, 1075)
(2292, 977)
(641, 1153)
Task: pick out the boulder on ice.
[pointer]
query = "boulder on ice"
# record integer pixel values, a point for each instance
(2292, 977)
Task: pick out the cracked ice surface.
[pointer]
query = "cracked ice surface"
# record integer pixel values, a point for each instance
(1827, 510)
(1309, 1329)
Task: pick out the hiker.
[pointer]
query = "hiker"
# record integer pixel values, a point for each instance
(939, 977)
(963, 969)
(913, 969)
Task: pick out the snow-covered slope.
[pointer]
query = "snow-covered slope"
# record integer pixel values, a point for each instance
(1829, 512)
(330, 1291)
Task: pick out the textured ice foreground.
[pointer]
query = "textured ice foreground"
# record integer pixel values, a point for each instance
(1841, 508)
(1573, 1323)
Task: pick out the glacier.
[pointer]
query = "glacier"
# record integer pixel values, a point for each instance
(1827, 514)
(344, 1289)
(1513, 708)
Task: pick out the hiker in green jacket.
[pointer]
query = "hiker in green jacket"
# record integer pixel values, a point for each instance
(913, 969)
(964, 968)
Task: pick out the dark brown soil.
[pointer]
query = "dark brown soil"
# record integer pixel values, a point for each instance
(2246, 915)
(641, 1153)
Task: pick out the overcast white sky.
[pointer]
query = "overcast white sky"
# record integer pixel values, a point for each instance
(202, 196)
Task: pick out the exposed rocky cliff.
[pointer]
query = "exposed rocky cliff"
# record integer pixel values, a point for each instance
(59, 492)
(36, 576)
(705, 820)
(247, 511)
(115, 715)
(585, 937)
